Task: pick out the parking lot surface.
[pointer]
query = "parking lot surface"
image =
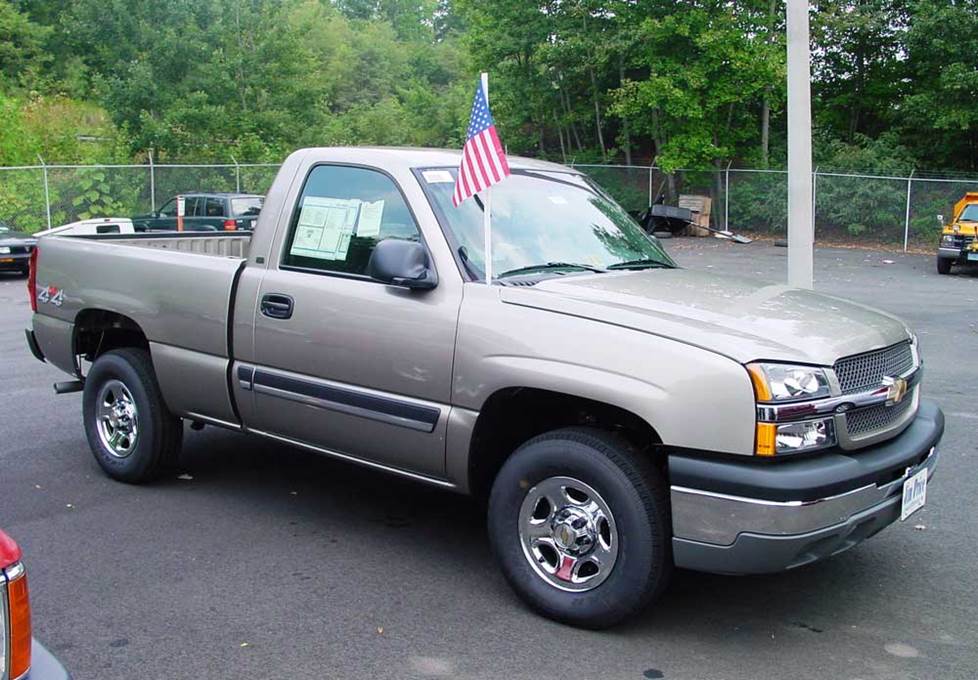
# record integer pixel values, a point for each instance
(256, 560)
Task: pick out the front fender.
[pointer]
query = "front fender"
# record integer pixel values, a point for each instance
(691, 397)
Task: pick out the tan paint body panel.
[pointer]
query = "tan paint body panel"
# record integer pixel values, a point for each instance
(178, 298)
(666, 345)
(667, 383)
(744, 319)
(193, 383)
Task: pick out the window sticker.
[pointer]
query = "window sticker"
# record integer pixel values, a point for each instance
(558, 200)
(371, 215)
(325, 227)
(437, 176)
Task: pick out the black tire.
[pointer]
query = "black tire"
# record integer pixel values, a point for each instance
(944, 265)
(632, 489)
(159, 436)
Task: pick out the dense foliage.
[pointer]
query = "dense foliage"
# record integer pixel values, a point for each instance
(691, 83)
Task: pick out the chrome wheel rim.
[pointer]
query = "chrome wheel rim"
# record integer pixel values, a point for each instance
(117, 419)
(568, 534)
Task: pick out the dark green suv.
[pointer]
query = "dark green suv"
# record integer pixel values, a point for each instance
(205, 212)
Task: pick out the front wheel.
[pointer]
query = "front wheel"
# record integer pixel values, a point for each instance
(130, 431)
(944, 265)
(579, 522)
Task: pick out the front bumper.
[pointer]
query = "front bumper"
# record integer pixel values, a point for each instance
(736, 517)
(958, 255)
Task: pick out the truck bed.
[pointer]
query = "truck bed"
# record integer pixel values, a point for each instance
(176, 287)
(219, 244)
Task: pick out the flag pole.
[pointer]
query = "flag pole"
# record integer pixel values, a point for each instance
(487, 203)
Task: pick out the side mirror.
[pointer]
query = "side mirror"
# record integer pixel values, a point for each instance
(940, 218)
(401, 263)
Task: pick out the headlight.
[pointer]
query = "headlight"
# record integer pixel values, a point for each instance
(947, 240)
(4, 250)
(778, 439)
(787, 382)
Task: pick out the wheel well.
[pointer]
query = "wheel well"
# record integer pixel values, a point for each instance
(97, 331)
(514, 415)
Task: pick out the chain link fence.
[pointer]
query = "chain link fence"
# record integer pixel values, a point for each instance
(862, 209)
(41, 196)
(849, 208)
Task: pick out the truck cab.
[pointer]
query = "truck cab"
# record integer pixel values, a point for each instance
(959, 237)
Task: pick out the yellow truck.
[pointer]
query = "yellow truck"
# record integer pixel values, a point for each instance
(959, 238)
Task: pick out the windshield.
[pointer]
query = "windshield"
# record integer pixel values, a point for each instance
(970, 213)
(541, 218)
(246, 206)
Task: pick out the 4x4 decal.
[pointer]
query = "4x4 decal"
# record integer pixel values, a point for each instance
(51, 294)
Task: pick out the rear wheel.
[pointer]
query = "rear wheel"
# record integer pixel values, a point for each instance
(129, 429)
(579, 522)
(944, 265)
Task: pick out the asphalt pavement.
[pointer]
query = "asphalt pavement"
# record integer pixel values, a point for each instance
(254, 560)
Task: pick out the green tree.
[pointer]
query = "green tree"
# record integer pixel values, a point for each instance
(938, 118)
(21, 45)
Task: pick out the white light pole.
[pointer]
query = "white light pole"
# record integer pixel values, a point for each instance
(801, 229)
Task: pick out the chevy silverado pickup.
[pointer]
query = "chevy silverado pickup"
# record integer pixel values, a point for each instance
(620, 415)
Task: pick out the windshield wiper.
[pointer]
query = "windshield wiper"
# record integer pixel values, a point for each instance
(641, 264)
(551, 265)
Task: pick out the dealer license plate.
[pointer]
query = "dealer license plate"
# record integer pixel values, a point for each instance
(914, 494)
(973, 256)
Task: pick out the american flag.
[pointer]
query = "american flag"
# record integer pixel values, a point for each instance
(483, 159)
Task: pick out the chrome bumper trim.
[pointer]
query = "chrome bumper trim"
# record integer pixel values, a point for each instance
(779, 413)
(718, 519)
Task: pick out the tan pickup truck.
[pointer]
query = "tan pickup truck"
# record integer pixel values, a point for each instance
(621, 415)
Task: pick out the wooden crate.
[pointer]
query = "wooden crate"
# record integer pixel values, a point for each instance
(700, 207)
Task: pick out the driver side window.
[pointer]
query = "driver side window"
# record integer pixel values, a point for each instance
(342, 214)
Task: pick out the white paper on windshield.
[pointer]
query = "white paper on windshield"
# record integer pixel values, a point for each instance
(325, 227)
(371, 215)
(437, 176)
(558, 200)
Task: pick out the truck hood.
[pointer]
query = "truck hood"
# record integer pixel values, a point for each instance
(743, 319)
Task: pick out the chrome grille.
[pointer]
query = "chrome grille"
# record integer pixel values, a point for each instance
(876, 418)
(861, 372)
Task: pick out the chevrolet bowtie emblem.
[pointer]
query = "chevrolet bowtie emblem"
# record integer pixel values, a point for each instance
(896, 389)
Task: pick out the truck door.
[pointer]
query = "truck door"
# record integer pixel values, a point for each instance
(345, 363)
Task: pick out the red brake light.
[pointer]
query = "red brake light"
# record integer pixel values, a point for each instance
(32, 279)
(9, 551)
(230, 225)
